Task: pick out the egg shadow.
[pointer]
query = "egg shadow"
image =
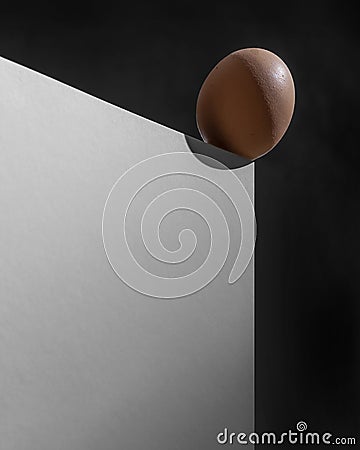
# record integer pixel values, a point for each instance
(214, 156)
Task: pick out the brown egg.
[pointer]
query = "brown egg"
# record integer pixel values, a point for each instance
(246, 103)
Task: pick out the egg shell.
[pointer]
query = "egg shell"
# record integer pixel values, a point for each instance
(246, 103)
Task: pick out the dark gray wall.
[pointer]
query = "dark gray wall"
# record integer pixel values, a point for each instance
(151, 59)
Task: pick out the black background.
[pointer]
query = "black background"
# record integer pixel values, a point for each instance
(151, 59)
